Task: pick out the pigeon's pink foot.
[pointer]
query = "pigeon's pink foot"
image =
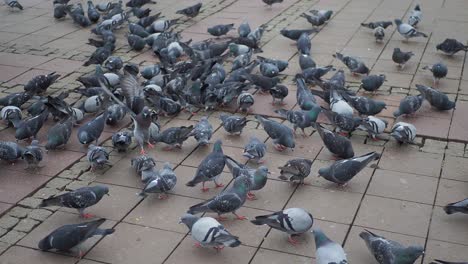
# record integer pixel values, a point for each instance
(251, 196)
(205, 189)
(283, 103)
(260, 161)
(219, 248)
(293, 242)
(168, 148)
(142, 152)
(197, 245)
(279, 147)
(219, 185)
(150, 145)
(163, 196)
(221, 218)
(240, 217)
(87, 216)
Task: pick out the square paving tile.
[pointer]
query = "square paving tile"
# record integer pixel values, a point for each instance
(21, 255)
(10, 72)
(239, 141)
(61, 65)
(22, 60)
(23, 184)
(450, 228)
(387, 214)
(445, 251)
(455, 168)
(275, 257)
(135, 244)
(451, 191)
(404, 159)
(460, 122)
(4, 207)
(200, 153)
(273, 196)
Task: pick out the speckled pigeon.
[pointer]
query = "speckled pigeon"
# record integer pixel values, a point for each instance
(436, 98)
(121, 140)
(40, 83)
(10, 151)
(293, 221)
(208, 232)
(92, 130)
(80, 199)
(295, 170)
(338, 145)
(15, 99)
(342, 171)
(161, 184)
(327, 251)
(202, 131)
(281, 135)
(409, 105)
(451, 46)
(439, 71)
(233, 124)
(245, 101)
(66, 237)
(355, 65)
(387, 251)
(33, 154)
(30, 127)
(174, 136)
(255, 149)
(379, 34)
(97, 156)
(457, 207)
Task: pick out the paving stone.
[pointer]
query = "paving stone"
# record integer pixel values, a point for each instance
(26, 225)
(76, 185)
(30, 202)
(445, 251)
(45, 192)
(455, 168)
(12, 237)
(448, 228)
(58, 183)
(19, 212)
(8, 222)
(434, 146)
(20, 255)
(39, 214)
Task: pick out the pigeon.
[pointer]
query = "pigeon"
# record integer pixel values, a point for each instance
(342, 171)
(401, 57)
(97, 157)
(210, 168)
(244, 29)
(208, 232)
(303, 44)
(268, 69)
(355, 65)
(233, 124)
(458, 207)
(409, 105)
(145, 166)
(407, 31)
(241, 61)
(116, 113)
(174, 136)
(93, 14)
(316, 73)
(15, 99)
(77, 15)
(314, 20)
(254, 149)
(304, 96)
(113, 63)
(228, 201)
(219, 30)
(295, 34)
(33, 154)
(451, 46)
(372, 83)
(439, 71)
(280, 64)
(92, 130)
(202, 131)
(258, 177)
(191, 11)
(59, 134)
(40, 83)
(293, 221)
(324, 13)
(280, 92)
(379, 33)
(148, 72)
(374, 25)
(30, 127)
(14, 4)
(365, 105)
(93, 104)
(264, 83)
(390, 252)
(149, 20)
(327, 251)
(270, 3)
(438, 261)
(245, 101)
(79, 199)
(121, 141)
(164, 182)
(295, 170)
(10, 151)
(100, 54)
(138, 30)
(403, 132)
(437, 99)
(136, 42)
(239, 49)
(415, 16)
(12, 115)
(141, 12)
(339, 105)
(345, 124)
(66, 237)
(281, 135)
(300, 119)
(60, 10)
(139, 3)
(338, 145)
(373, 126)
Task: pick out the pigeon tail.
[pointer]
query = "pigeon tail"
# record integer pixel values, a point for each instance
(450, 209)
(263, 220)
(198, 208)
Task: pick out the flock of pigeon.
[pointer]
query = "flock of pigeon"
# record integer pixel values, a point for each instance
(192, 76)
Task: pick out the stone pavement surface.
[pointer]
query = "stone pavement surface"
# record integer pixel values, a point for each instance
(401, 199)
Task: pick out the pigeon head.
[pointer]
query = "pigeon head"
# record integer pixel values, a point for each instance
(188, 220)
(100, 190)
(320, 237)
(131, 68)
(288, 141)
(398, 22)
(261, 172)
(439, 46)
(217, 147)
(380, 105)
(44, 244)
(324, 172)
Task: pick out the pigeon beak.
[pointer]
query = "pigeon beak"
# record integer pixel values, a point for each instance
(108, 194)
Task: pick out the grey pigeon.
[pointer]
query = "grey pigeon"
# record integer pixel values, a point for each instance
(10, 151)
(241, 61)
(387, 251)
(92, 130)
(295, 170)
(174, 136)
(142, 130)
(121, 140)
(304, 96)
(137, 30)
(303, 44)
(59, 10)
(100, 54)
(33, 154)
(15, 99)
(12, 115)
(136, 42)
(139, 3)
(314, 20)
(439, 71)
(373, 126)
(342, 171)
(238, 49)
(93, 14)
(365, 105)
(258, 177)
(93, 104)
(338, 145)
(150, 71)
(295, 34)
(403, 132)
(245, 101)
(233, 124)
(149, 20)
(145, 166)
(306, 62)
(141, 12)
(208, 232)
(322, 12)
(202, 131)
(281, 135)
(79, 199)
(271, 2)
(379, 33)
(268, 69)
(436, 98)
(451, 46)
(293, 221)
(67, 237)
(59, 134)
(116, 113)
(228, 201)
(191, 11)
(13, 4)
(219, 30)
(97, 156)
(457, 207)
(300, 119)
(30, 127)
(280, 64)
(164, 182)
(355, 65)
(163, 25)
(39, 84)
(407, 31)
(338, 104)
(374, 25)
(372, 83)
(327, 251)
(77, 15)
(415, 16)
(316, 73)
(113, 63)
(438, 261)
(263, 82)
(345, 124)
(409, 105)
(210, 168)
(401, 57)
(254, 149)
(280, 92)
(244, 29)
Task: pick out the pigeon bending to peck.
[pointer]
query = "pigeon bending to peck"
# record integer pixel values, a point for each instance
(121, 140)
(67, 237)
(365, 105)
(92, 130)
(33, 154)
(59, 134)
(281, 135)
(408, 31)
(303, 44)
(342, 171)
(257, 177)
(271, 2)
(327, 251)
(39, 84)
(208, 232)
(191, 11)
(401, 57)
(437, 99)
(439, 71)
(300, 119)
(344, 124)
(379, 33)
(30, 127)
(245, 101)
(293, 221)
(354, 64)
(403, 132)
(12, 115)
(338, 145)
(233, 124)
(451, 46)
(174, 136)
(295, 170)
(387, 251)
(373, 126)
(279, 92)
(162, 183)
(458, 207)
(295, 34)
(409, 105)
(202, 131)
(93, 14)
(219, 30)
(10, 151)
(80, 199)
(374, 25)
(14, 4)
(415, 16)
(97, 156)
(372, 83)
(255, 149)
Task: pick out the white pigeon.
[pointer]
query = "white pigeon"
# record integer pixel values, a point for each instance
(407, 31)
(327, 251)
(339, 105)
(373, 126)
(415, 16)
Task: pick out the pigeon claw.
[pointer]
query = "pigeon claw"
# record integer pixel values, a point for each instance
(87, 216)
(150, 145)
(221, 218)
(197, 245)
(219, 248)
(142, 151)
(251, 196)
(219, 185)
(292, 241)
(163, 196)
(240, 217)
